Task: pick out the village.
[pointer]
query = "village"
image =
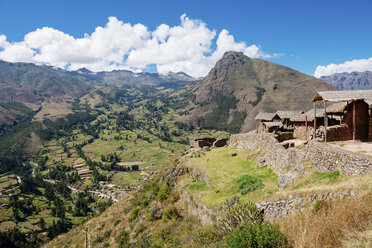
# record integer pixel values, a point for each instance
(340, 118)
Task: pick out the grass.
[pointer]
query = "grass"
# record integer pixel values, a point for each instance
(125, 178)
(224, 172)
(332, 224)
(332, 176)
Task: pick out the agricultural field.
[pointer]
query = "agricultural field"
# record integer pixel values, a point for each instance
(99, 153)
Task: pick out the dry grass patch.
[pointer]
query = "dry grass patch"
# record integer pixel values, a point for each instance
(331, 224)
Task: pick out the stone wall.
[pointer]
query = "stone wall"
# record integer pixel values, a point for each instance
(340, 132)
(200, 143)
(326, 158)
(301, 133)
(299, 203)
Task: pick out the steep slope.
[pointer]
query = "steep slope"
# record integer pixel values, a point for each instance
(39, 88)
(256, 85)
(350, 81)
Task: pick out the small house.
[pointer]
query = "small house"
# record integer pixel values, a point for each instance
(354, 117)
(268, 122)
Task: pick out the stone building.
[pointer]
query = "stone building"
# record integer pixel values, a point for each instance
(211, 142)
(268, 122)
(354, 119)
(286, 116)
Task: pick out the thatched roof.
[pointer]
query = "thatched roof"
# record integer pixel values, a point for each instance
(301, 118)
(336, 108)
(287, 114)
(343, 96)
(265, 116)
(333, 109)
(273, 124)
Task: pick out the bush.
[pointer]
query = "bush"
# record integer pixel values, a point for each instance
(163, 193)
(170, 213)
(206, 236)
(148, 215)
(264, 235)
(123, 239)
(249, 183)
(134, 214)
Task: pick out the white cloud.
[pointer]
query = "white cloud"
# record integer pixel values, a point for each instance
(186, 47)
(360, 65)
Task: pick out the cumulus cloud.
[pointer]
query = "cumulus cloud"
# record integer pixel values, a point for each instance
(186, 47)
(359, 65)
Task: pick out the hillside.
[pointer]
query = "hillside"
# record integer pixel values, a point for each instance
(51, 91)
(37, 88)
(250, 86)
(190, 206)
(350, 81)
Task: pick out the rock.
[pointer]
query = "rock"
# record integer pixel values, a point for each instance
(286, 178)
(261, 162)
(234, 154)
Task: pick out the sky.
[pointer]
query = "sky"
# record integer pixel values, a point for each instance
(314, 37)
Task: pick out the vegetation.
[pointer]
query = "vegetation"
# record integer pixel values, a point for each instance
(249, 183)
(331, 225)
(218, 119)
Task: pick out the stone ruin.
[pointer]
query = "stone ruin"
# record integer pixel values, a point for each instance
(210, 142)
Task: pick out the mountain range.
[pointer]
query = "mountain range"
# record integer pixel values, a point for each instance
(51, 91)
(232, 93)
(350, 81)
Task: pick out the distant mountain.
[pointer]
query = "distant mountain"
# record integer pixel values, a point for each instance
(51, 90)
(238, 86)
(120, 77)
(350, 81)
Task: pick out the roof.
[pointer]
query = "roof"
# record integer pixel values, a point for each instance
(301, 118)
(335, 108)
(265, 116)
(287, 114)
(273, 124)
(343, 96)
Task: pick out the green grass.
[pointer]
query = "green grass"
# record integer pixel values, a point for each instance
(332, 176)
(125, 178)
(249, 183)
(224, 172)
(198, 186)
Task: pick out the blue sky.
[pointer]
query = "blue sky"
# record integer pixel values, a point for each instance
(305, 33)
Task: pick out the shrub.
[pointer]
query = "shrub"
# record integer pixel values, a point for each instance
(148, 215)
(123, 239)
(206, 236)
(134, 214)
(174, 197)
(249, 183)
(236, 213)
(170, 213)
(263, 235)
(163, 193)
